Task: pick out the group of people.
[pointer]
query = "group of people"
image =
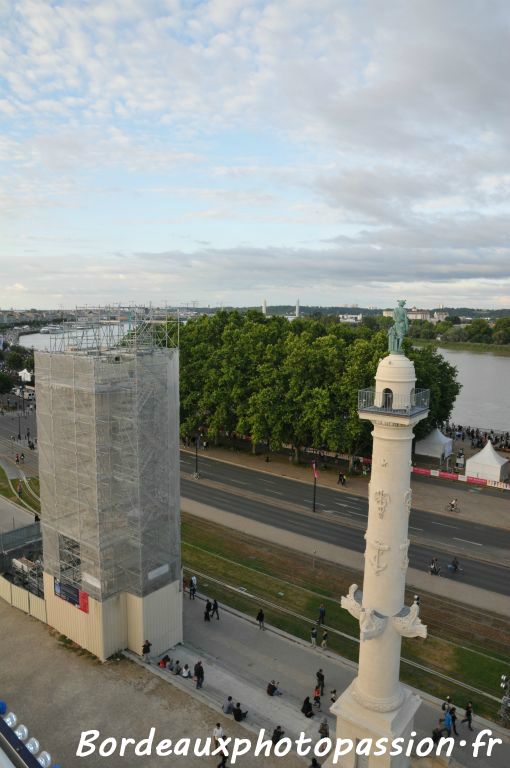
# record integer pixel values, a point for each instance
(175, 667)
(20, 458)
(435, 568)
(313, 637)
(236, 711)
(211, 609)
(478, 438)
(447, 724)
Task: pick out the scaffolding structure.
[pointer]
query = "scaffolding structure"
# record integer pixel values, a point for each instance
(108, 412)
(103, 328)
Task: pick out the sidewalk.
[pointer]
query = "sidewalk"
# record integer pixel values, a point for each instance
(428, 495)
(239, 659)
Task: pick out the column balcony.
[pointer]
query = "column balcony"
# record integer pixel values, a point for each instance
(386, 401)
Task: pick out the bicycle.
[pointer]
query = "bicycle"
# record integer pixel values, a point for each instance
(452, 507)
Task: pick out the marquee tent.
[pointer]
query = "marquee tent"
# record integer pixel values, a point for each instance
(436, 444)
(488, 464)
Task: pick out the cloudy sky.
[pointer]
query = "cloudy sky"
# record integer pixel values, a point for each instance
(227, 151)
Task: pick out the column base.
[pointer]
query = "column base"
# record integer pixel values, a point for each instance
(356, 722)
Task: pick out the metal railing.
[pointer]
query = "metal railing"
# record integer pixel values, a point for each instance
(386, 401)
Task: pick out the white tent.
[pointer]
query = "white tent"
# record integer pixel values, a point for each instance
(488, 465)
(436, 444)
(25, 375)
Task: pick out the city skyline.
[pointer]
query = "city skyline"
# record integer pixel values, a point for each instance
(229, 151)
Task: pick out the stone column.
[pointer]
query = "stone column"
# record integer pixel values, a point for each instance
(376, 705)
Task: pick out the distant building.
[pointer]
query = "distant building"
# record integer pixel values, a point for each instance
(352, 319)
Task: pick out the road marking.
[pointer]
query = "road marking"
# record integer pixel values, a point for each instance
(239, 482)
(340, 504)
(412, 528)
(476, 543)
(358, 514)
(279, 493)
(445, 525)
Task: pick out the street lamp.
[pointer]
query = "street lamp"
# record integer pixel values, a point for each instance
(315, 476)
(196, 473)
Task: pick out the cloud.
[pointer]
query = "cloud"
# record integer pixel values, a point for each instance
(308, 145)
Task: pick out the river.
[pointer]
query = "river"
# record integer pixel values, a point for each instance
(484, 399)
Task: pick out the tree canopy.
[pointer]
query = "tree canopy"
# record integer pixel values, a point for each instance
(293, 383)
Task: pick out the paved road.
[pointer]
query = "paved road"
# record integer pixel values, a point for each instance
(342, 519)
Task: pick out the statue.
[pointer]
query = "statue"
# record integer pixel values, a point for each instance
(398, 331)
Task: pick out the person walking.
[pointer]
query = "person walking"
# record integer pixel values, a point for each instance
(215, 611)
(307, 708)
(322, 614)
(468, 716)
(315, 763)
(317, 697)
(278, 734)
(192, 587)
(218, 734)
(320, 680)
(199, 674)
(313, 637)
(453, 715)
(324, 643)
(146, 649)
(324, 729)
(260, 618)
(447, 721)
(207, 611)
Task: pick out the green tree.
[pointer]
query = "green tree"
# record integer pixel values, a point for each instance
(501, 331)
(479, 331)
(6, 383)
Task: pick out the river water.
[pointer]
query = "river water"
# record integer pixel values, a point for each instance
(484, 400)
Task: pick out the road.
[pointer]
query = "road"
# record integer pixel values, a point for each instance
(341, 519)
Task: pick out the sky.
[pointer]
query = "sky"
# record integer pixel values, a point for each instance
(230, 151)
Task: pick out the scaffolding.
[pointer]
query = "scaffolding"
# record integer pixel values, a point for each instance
(108, 416)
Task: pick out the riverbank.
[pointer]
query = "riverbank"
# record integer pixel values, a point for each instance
(502, 350)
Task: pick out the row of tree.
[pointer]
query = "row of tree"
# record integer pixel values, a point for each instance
(478, 331)
(293, 383)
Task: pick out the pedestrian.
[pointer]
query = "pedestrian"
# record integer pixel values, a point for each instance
(447, 721)
(218, 733)
(324, 729)
(447, 703)
(322, 614)
(228, 705)
(17, 458)
(339, 481)
(324, 643)
(20, 489)
(438, 732)
(22, 457)
(333, 696)
(315, 763)
(146, 649)
(207, 611)
(278, 734)
(223, 761)
(260, 618)
(214, 610)
(199, 674)
(313, 637)
(317, 697)
(468, 716)
(320, 680)
(238, 713)
(307, 708)
(272, 688)
(453, 715)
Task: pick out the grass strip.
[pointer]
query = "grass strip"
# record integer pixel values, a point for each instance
(248, 571)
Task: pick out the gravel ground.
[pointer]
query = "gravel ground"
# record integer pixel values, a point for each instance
(59, 691)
